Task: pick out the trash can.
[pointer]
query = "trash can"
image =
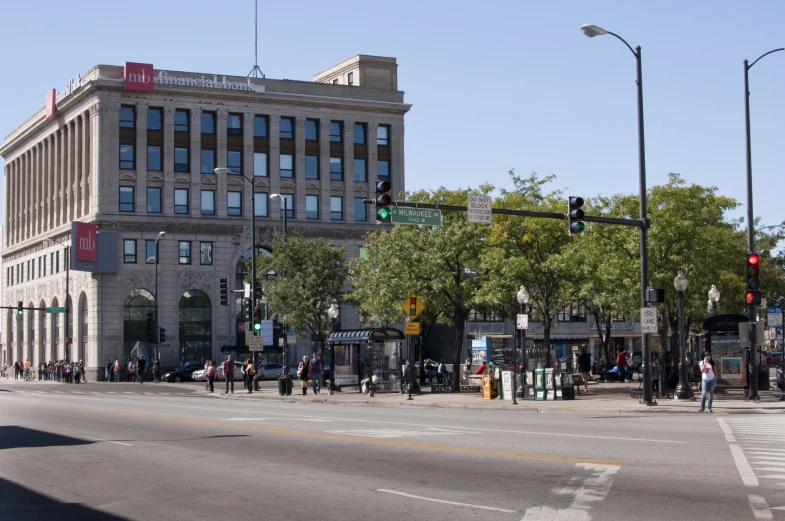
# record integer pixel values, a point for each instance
(568, 390)
(488, 387)
(285, 385)
(539, 384)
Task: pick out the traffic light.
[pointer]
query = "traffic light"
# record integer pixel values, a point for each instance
(150, 329)
(753, 279)
(383, 200)
(575, 215)
(257, 320)
(19, 306)
(224, 293)
(161, 334)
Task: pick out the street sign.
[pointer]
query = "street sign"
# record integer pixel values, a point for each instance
(255, 343)
(412, 306)
(420, 216)
(411, 328)
(648, 320)
(478, 209)
(775, 317)
(55, 310)
(247, 290)
(523, 321)
(266, 333)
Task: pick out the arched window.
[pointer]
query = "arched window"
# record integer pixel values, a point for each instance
(83, 339)
(195, 326)
(138, 303)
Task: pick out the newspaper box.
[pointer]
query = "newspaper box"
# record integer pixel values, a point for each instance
(539, 384)
(488, 387)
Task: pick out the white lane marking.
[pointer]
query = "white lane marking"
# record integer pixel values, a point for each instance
(445, 502)
(285, 419)
(759, 506)
(108, 441)
(774, 476)
(770, 469)
(765, 455)
(767, 462)
(730, 438)
(396, 433)
(724, 426)
(745, 471)
(593, 489)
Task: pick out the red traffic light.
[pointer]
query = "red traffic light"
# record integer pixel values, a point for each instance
(753, 259)
(257, 313)
(753, 298)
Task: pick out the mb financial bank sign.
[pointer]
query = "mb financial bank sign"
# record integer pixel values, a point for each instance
(92, 251)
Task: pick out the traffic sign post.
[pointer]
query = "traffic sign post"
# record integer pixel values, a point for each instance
(649, 320)
(478, 209)
(411, 328)
(774, 316)
(55, 310)
(255, 343)
(412, 306)
(523, 321)
(417, 216)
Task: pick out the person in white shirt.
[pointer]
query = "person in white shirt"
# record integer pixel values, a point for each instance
(708, 380)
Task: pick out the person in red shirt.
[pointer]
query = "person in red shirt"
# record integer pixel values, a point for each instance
(481, 369)
(621, 362)
(229, 367)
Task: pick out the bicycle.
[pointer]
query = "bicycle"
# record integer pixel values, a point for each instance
(29, 375)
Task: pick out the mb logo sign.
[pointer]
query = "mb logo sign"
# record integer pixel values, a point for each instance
(85, 242)
(138, 77)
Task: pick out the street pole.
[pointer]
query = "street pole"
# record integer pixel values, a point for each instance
(67, 307)
(252, 300)
(521, 390)
(683, 391)
(157, 330)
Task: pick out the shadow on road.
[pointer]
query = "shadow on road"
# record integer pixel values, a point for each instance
(13, 437)
(28, 505)
(188, 439)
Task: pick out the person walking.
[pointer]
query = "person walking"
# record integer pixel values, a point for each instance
(304, 372)
(621, 363)
(229, 373)
(210, 374)
(116, 368)
(584, 366)
(157, 371)
(316, 373)
(140, 367)
(249, 374)
(108, 370)
(708, 380)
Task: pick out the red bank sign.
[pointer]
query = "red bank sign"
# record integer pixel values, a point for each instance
(51, 103)
(138, 77)
(85, 242)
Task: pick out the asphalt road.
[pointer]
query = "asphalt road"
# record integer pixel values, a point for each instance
(142, 456)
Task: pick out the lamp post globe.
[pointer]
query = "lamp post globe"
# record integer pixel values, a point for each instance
(592, 30)
(714, 298)
(683, 391)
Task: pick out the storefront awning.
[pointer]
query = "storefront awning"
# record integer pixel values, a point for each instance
(379, 334)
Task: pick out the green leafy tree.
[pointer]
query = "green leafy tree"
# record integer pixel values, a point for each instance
(308, 275)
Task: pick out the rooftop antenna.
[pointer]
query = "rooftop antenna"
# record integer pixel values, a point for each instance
(256, 71)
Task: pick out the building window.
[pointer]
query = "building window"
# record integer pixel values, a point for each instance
(289, 205)
(260, 126)
(311, 130)
(181, 121)
(155, 119)
(127, 117)
(181, 200)
(336, 169)
(287, 165)
(311, 206)
(312, 167)
(286, 129)
(154, 158)
(574, 312)
(181, 160)
(234, 125)
(127, 157)
(206, 253)
(360, 211)
(234, 203)
(383, 135)
(234, 161)
(335, 131)
(360, 174)
(260, 203)
(383, 170)
(208, 122)
(335, 81)
(154, 200)
(184, 252)
(359, 134)
(208, 202)
(126, 198)
(336, 208)
(260, 164)
(150, 256)
(129, 251)
(351, 78)
(208, 161)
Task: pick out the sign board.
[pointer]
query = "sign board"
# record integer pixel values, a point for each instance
(255, 343)
(55, 310)
(478, 209)
(744, 333)
(648, 320)
(420, 216)
(247, 290)
(775, 317)
(507, 389)
(412, 306)
(411, 328)
(266, 333)
(523, 321)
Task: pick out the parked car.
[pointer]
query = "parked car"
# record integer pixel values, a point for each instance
(180, 375)
(273, 371)
(198, 375)
(773, 358)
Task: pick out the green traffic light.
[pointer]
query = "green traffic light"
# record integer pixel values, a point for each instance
(257, 326)
(384, 213)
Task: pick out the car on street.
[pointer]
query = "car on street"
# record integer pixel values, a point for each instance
(773, 358)
(198, 375)
(272, 371)
(180, 375)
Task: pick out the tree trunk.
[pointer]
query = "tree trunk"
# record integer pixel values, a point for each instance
(456, 358)
(607, 346)
(546, 340)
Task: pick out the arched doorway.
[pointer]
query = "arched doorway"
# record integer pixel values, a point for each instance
(81, 337)
(195, 326)
(55, 324)
(138, 304)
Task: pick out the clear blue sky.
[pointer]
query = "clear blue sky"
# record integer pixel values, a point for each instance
(495, 85)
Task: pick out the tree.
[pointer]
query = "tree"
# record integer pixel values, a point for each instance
(441, 265)
(309, 274)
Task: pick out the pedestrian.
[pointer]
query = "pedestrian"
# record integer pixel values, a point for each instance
(108, 370)
(141, 364)
(482, 368)
(210, 374)
(131, 370)
(584, 366)
(316, 373)
(467, 368)
(229, 373)
(249, 373)
(442, 376)
(708, 380)
(303, 373)
(157, 371)
(621, 363)
(116, 368)
(206, 367)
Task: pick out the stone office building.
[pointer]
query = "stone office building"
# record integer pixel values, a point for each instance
(133, 150)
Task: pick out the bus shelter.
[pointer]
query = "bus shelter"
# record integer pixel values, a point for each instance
(360, 354)
(721, 339)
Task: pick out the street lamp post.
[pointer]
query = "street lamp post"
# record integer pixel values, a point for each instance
(286, 339)
(714, 297)
(157, 339)
(592, 31)
(334, 313)
(67, 261)
(523, 298)
(683, 391)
